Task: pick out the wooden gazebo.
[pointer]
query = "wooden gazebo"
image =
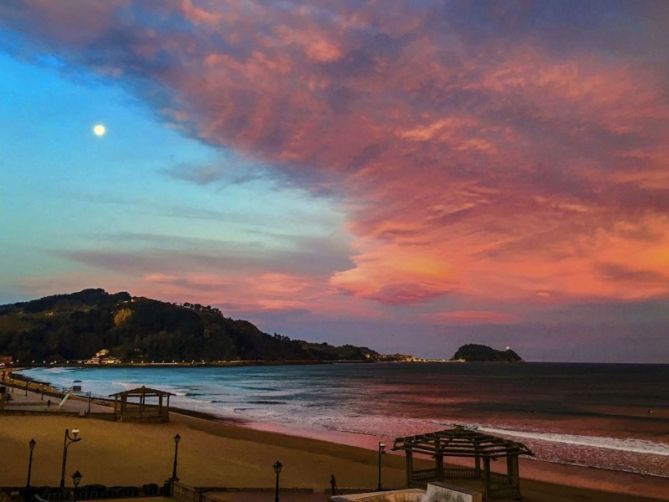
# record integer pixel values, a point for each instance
(468, 443)
(142, 411)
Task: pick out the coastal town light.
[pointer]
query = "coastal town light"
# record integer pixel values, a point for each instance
(67, 441)
(31, 445)
(177, 438)
(382, 450)
(277, 470)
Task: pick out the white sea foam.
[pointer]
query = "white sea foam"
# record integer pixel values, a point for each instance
(620, 444)
(56, 370)
(360, 410)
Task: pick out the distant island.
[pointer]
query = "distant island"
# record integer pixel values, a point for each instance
(118, 328)
(482, 353)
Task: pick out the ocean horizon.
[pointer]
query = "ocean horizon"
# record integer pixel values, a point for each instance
(610, 416)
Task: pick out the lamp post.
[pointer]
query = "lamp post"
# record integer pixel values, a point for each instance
(277, 470)
(31, 445)
(177, 438)
(382, 450)
(76, 479)
(67, 441)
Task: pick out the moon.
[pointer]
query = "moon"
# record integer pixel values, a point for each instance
(99, 130)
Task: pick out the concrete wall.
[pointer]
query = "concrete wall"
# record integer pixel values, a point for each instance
(408, 495)
(185, 493)
(436, 492)
(442, 492)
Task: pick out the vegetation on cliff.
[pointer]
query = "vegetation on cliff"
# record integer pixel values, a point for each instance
(482, 353)
(74, 326)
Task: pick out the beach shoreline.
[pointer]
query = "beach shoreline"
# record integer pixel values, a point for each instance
(216, 452)
(539, 476)
(600, 433)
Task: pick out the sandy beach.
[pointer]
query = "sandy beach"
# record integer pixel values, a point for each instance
(216, 452)
(223, 453)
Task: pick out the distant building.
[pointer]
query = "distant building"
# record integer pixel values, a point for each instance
(102, 357)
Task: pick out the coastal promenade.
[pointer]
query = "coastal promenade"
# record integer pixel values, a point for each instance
(35, 401)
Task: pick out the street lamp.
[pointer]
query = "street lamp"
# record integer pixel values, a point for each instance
(31, 445)
(76, 479)
(67, 441)
(382, 450)
(277, 470)
(177, 438)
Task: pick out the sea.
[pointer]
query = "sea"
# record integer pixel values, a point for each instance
(609, 416)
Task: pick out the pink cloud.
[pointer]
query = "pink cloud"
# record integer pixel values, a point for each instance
(488, 167)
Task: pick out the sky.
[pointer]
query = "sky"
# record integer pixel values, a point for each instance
(409, 176)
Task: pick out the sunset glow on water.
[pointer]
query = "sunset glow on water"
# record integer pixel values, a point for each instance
(593, 415)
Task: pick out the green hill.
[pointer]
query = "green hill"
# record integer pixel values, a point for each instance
(74, 326)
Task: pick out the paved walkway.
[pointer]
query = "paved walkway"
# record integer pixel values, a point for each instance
(265, 497)
(31, 400)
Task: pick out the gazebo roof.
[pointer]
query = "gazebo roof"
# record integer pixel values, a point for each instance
(460, 441)
(141, 391)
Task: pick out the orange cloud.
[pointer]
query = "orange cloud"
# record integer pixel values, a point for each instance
(501, 166)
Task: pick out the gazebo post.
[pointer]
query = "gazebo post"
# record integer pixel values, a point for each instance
(438, 459)
(514, 474)
(486, 477)
(509, 469)
(439, 462)
(477, 460)
(409, 464)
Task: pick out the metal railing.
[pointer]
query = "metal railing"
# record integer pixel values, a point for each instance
(92, 492)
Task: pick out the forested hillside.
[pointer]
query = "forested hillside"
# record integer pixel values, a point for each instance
(75, 326)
